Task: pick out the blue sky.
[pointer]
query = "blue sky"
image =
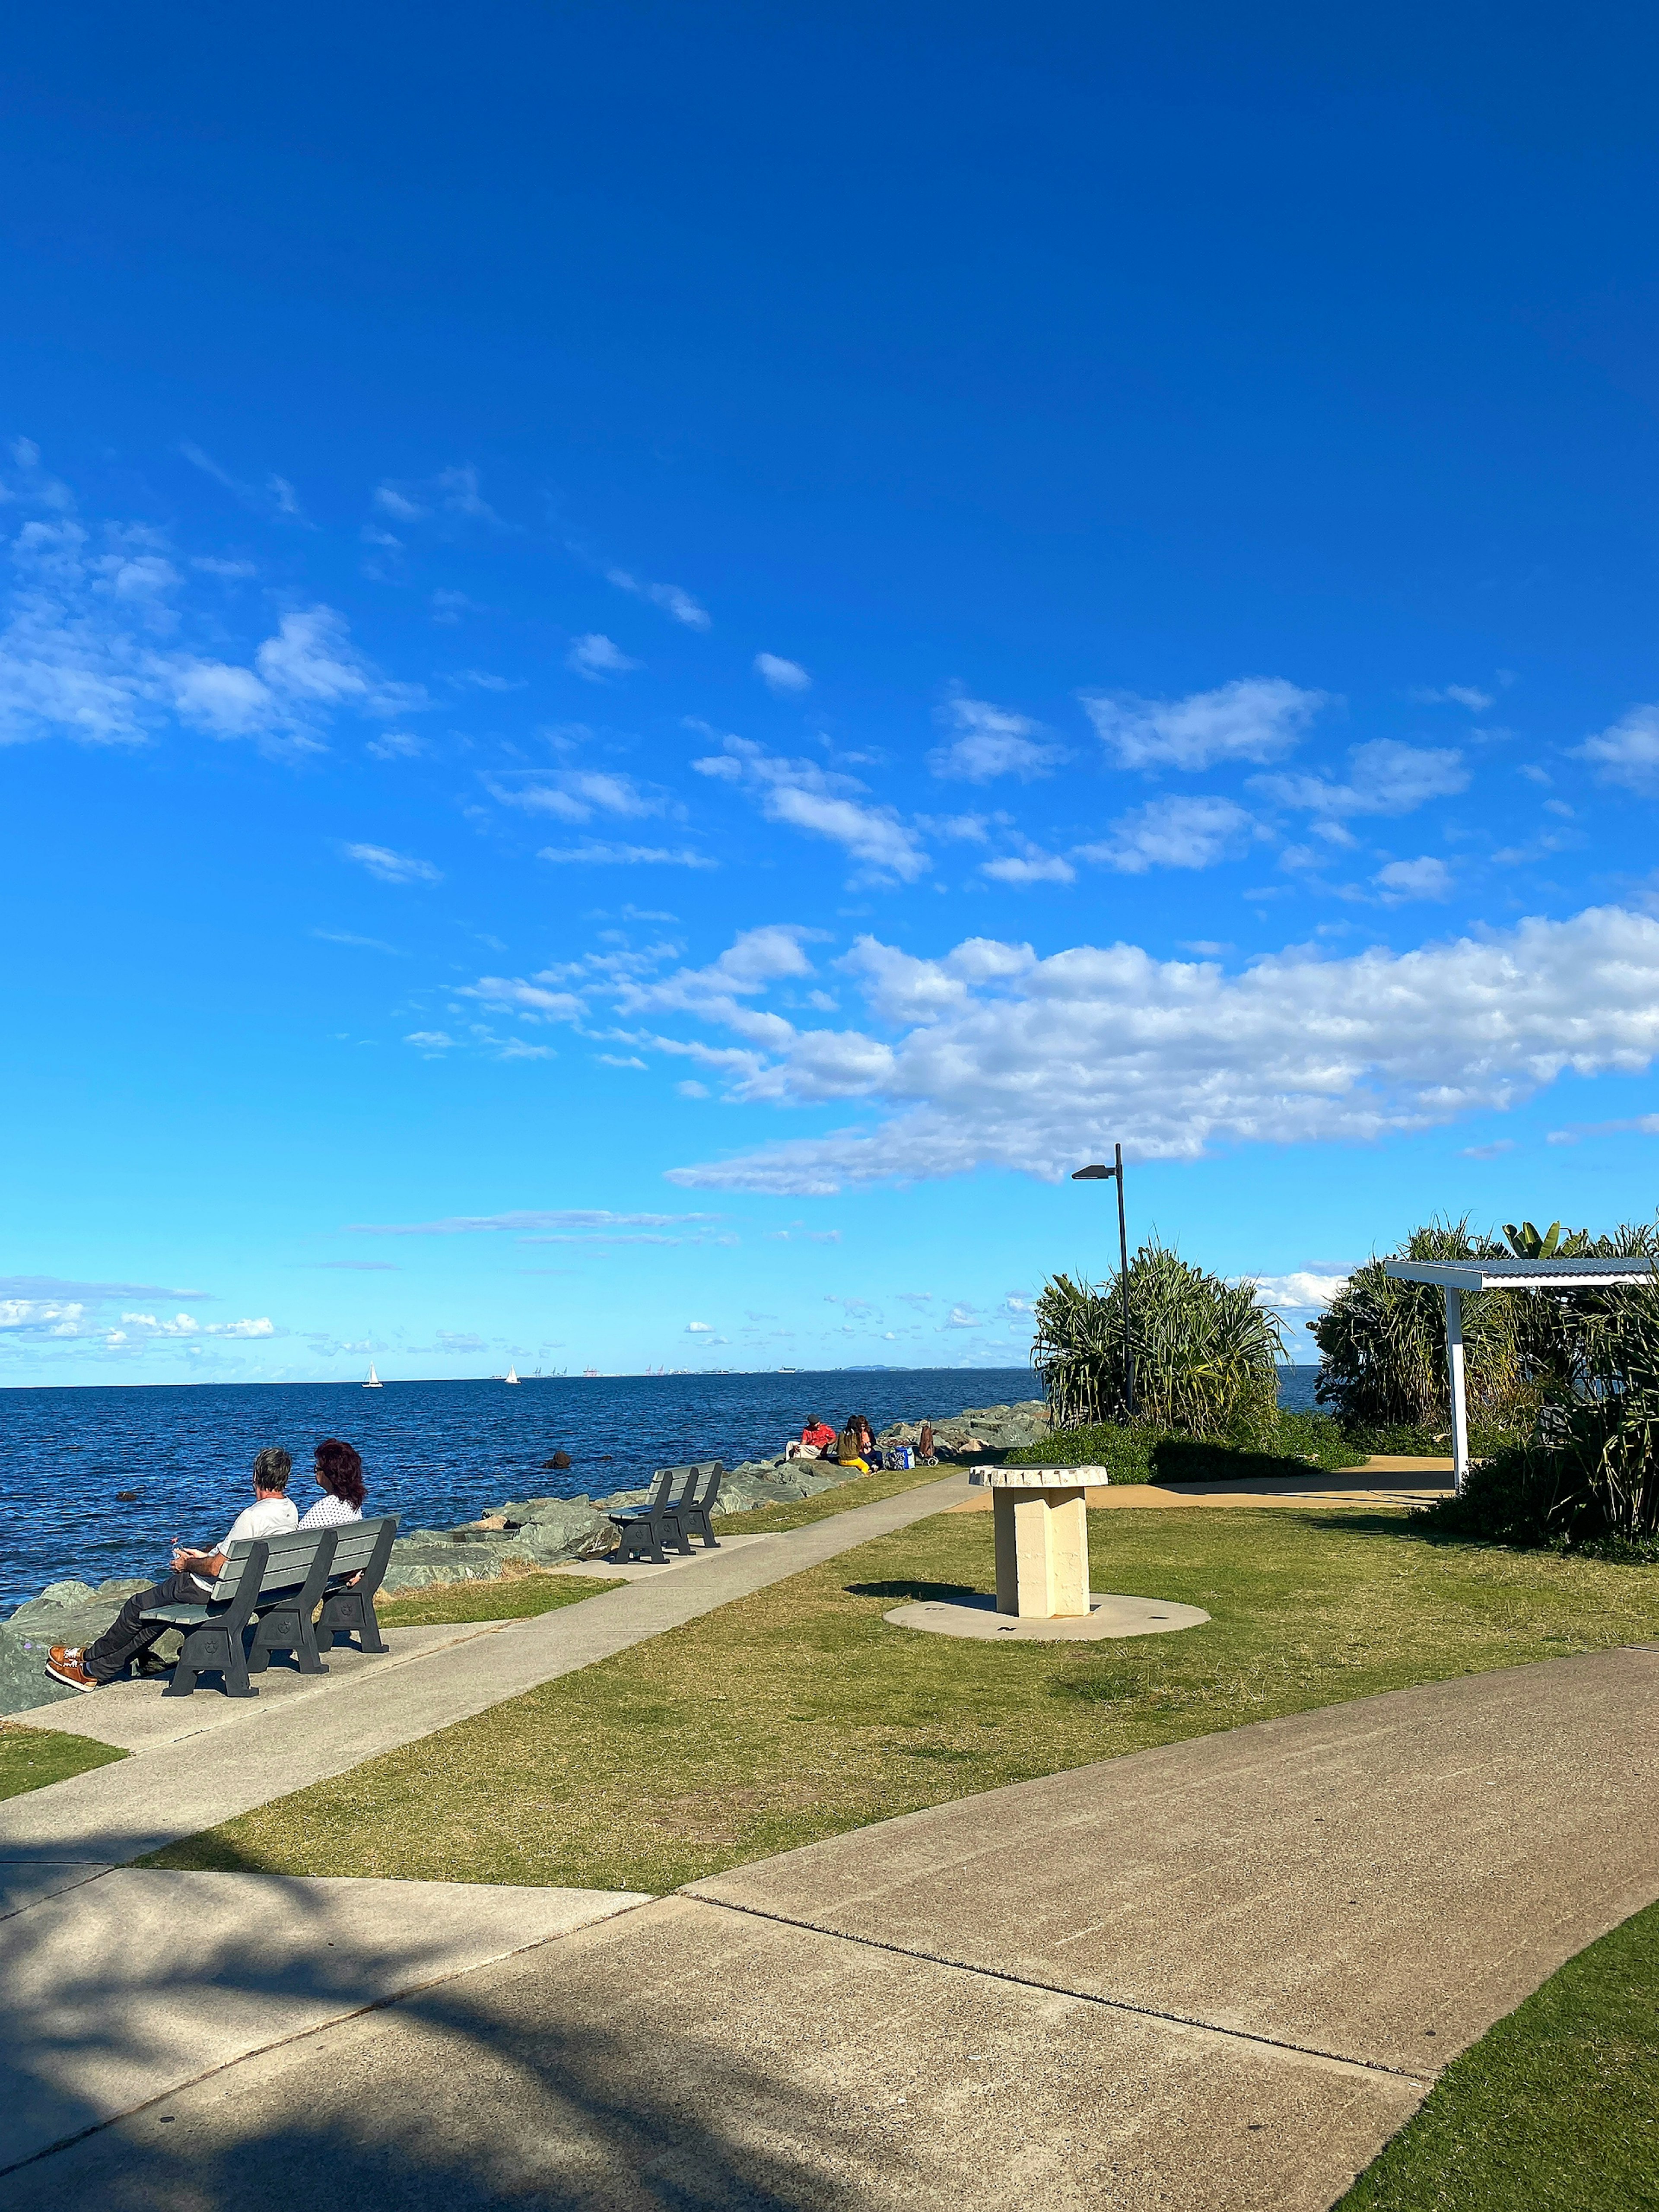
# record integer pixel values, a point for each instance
(656, 661)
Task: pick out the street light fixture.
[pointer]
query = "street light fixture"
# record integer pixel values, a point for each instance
(1114, 1173)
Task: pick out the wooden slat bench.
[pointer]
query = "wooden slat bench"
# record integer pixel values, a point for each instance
(276, 1572)
(642, 1526)
(364, 1551)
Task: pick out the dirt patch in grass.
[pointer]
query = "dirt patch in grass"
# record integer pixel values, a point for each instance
(799, 1712)
(515, 1597)
(31, 1757)
(1555, 2109)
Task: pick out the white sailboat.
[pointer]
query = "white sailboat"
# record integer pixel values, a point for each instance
(373, 1382)
(512, 1375)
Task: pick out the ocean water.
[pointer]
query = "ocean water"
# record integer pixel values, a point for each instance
(436, 1453)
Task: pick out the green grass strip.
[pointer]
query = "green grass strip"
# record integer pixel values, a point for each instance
(1556, 2109)
(799, 1712)
(517, 1597)
(31, 1757)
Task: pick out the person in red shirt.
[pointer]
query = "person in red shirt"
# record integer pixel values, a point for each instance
(820, 1437)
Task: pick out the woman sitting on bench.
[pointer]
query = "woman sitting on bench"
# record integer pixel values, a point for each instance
(194, 1573)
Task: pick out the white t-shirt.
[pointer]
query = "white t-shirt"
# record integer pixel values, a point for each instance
(266, 1516)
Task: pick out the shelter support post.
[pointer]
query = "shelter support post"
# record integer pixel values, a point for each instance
(1460, 1406)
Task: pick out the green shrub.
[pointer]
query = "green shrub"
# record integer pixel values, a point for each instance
(1205, 1354)
(1296, 1444)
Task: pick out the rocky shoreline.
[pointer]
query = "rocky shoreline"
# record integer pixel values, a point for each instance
(518, 1533)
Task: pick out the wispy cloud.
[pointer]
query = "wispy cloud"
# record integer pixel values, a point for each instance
(575, 794)
(596, 853)
(1257, 718)
(1384, 777)
(1627, 753)
(389, 868)
(990, 742)
(669, 597)
(275, 498)
(1174, 833)
(598, 657)
(781, 676)
(1426, 878)
(807, 796)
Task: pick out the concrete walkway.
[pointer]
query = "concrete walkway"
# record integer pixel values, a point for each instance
(1214, 1977)
(204, 1759)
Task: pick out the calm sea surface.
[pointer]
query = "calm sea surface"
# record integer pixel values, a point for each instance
(436, 1453)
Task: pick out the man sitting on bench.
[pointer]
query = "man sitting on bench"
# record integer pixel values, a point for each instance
(194, 1573)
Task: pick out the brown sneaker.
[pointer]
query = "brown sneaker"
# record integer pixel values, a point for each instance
(63, 1665)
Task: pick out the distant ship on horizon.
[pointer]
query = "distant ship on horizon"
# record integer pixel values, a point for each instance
(373, 1382)
(512, 1373)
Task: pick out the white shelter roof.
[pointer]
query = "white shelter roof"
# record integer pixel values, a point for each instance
(1523, 1275)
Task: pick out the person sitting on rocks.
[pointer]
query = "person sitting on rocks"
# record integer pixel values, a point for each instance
(849, 1447)
(194, 1573)
(340, 1478)
(819, 1437)
(866, 1439)
(926, 1454)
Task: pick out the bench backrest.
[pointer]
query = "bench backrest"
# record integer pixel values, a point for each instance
(288, 1559)
(714, 1474)
(659, 1488)
(357, 1540)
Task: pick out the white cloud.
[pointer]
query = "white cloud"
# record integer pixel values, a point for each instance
(397, 504)
(1425, 878)
(595, 854)
(991, 741)
(669, 597)
(597, 657)
(457, 489)
(430, 1041)
(389, 868)
(397, 744)
(1302, 1291)
(1454, 695)
(576, 1220)
(1029, 865)
(1174, 833)
(807, 796)
(1257, 718)
(87, 651)
(699, 1328)
(1628, 751)
(780, 675)
(185, 1325)
(575, 794)
(42, 1316)
(1036, 1061)
(1384, 777)
(276, 497)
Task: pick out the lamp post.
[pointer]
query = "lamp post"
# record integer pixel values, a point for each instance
(1114, 1173)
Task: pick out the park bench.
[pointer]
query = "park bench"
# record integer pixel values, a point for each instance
(280, 1577)
(642, 1526)
(364, 1551)
(690, 1511)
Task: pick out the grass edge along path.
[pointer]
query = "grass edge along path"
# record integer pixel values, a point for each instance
(34, 1758)
(503, 1597)
(1555, 2109)
(799, 1712)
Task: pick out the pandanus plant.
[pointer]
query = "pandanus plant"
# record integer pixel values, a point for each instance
(1206, 1352)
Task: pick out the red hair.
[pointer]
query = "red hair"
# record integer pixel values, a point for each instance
(339, 1469)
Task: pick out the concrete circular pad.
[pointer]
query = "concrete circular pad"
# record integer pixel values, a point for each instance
(976, 1615)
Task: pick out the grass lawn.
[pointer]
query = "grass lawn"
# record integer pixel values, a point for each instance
(30, 1758)
(1556, 2109)
(798, 1712)
(519, 1597)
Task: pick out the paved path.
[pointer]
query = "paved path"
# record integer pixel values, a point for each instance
(240, 1753)
(1211, 1978)
(1381, 1482)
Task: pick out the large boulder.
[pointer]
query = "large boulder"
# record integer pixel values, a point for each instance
(64, 1612)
